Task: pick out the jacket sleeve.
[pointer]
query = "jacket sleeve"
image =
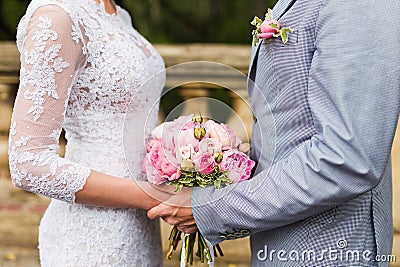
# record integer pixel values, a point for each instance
(50, 59)
(354, 97)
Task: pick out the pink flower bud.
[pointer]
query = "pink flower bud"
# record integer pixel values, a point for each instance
(267, 29)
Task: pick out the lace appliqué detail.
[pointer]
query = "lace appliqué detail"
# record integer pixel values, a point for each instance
(45, 63)
(34, 164)
(61, 180)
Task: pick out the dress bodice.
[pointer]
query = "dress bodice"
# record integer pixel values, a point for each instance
(119, 61)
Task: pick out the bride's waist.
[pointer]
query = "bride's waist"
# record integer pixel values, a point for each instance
(107, 157)
(94, 129)
(99, 142)
(80, 151)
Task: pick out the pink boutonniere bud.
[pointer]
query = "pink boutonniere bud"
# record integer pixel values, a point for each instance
(269, 28)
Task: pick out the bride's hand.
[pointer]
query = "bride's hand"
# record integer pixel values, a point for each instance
(164, 194)
(177, 210)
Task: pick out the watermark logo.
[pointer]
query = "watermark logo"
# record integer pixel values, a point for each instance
(338, 253)
(342, 243)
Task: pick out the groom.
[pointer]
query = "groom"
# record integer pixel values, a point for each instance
(333, 90)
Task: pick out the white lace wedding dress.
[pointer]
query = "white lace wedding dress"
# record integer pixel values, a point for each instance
(80, 69)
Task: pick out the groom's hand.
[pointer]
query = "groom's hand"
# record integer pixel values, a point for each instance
(176, 211)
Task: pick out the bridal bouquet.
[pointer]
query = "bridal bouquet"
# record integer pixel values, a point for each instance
(189, 152)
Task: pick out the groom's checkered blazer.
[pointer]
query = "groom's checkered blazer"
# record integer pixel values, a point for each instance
(327, 105)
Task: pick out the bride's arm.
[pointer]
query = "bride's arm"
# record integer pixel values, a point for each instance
(51, 55)
(107, 191)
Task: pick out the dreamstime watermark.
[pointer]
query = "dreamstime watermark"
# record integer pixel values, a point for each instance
(339, 253)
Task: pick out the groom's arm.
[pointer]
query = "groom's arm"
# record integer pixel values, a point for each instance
(354, 97)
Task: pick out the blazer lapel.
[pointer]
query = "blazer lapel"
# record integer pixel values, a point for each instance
(281, 7)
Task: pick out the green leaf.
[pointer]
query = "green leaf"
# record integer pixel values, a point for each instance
(278, 34)
(256, 21)
(255, 39)
(178, 187)
(274, 25)
(284, 34)
(284, 37)
(269, 14)
(217, 184)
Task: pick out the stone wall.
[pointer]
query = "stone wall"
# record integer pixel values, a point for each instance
(235, 56)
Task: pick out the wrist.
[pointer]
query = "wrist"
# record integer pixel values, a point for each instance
(147, 196)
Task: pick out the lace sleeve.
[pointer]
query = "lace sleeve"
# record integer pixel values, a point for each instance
(50, 58)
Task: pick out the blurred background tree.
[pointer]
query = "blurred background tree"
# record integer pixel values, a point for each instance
(171, 21)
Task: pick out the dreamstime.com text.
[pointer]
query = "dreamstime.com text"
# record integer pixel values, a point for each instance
(340, 253)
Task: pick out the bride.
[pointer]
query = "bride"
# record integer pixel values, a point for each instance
(82, 62)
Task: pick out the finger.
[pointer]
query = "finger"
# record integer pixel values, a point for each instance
(157, 212)
(171, 220)
(192, 229)
(187, 226)
(187, 223)
(188, 230)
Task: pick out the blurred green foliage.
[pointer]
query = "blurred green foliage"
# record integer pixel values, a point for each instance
(171, 21)
(10, 13)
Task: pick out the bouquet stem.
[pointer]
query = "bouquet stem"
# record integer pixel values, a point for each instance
(174, 238)
(203, 251)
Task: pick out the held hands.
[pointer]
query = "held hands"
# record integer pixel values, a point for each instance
(177, 210)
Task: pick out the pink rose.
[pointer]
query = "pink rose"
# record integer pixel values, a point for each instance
(180, 132)
(185, 152)
(152, 174)
(210, 125)
(151, 143)
(186, 137)
(204, 163)
(160, 165)
(168, 136)
(172, 129)
(221, 133)
(167, 167)
(267, 31)
(235, 141)
(157, 132)
(210, 146)
(237, 165)
(182, 120)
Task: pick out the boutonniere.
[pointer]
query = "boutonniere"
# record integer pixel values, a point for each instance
(269, 28)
